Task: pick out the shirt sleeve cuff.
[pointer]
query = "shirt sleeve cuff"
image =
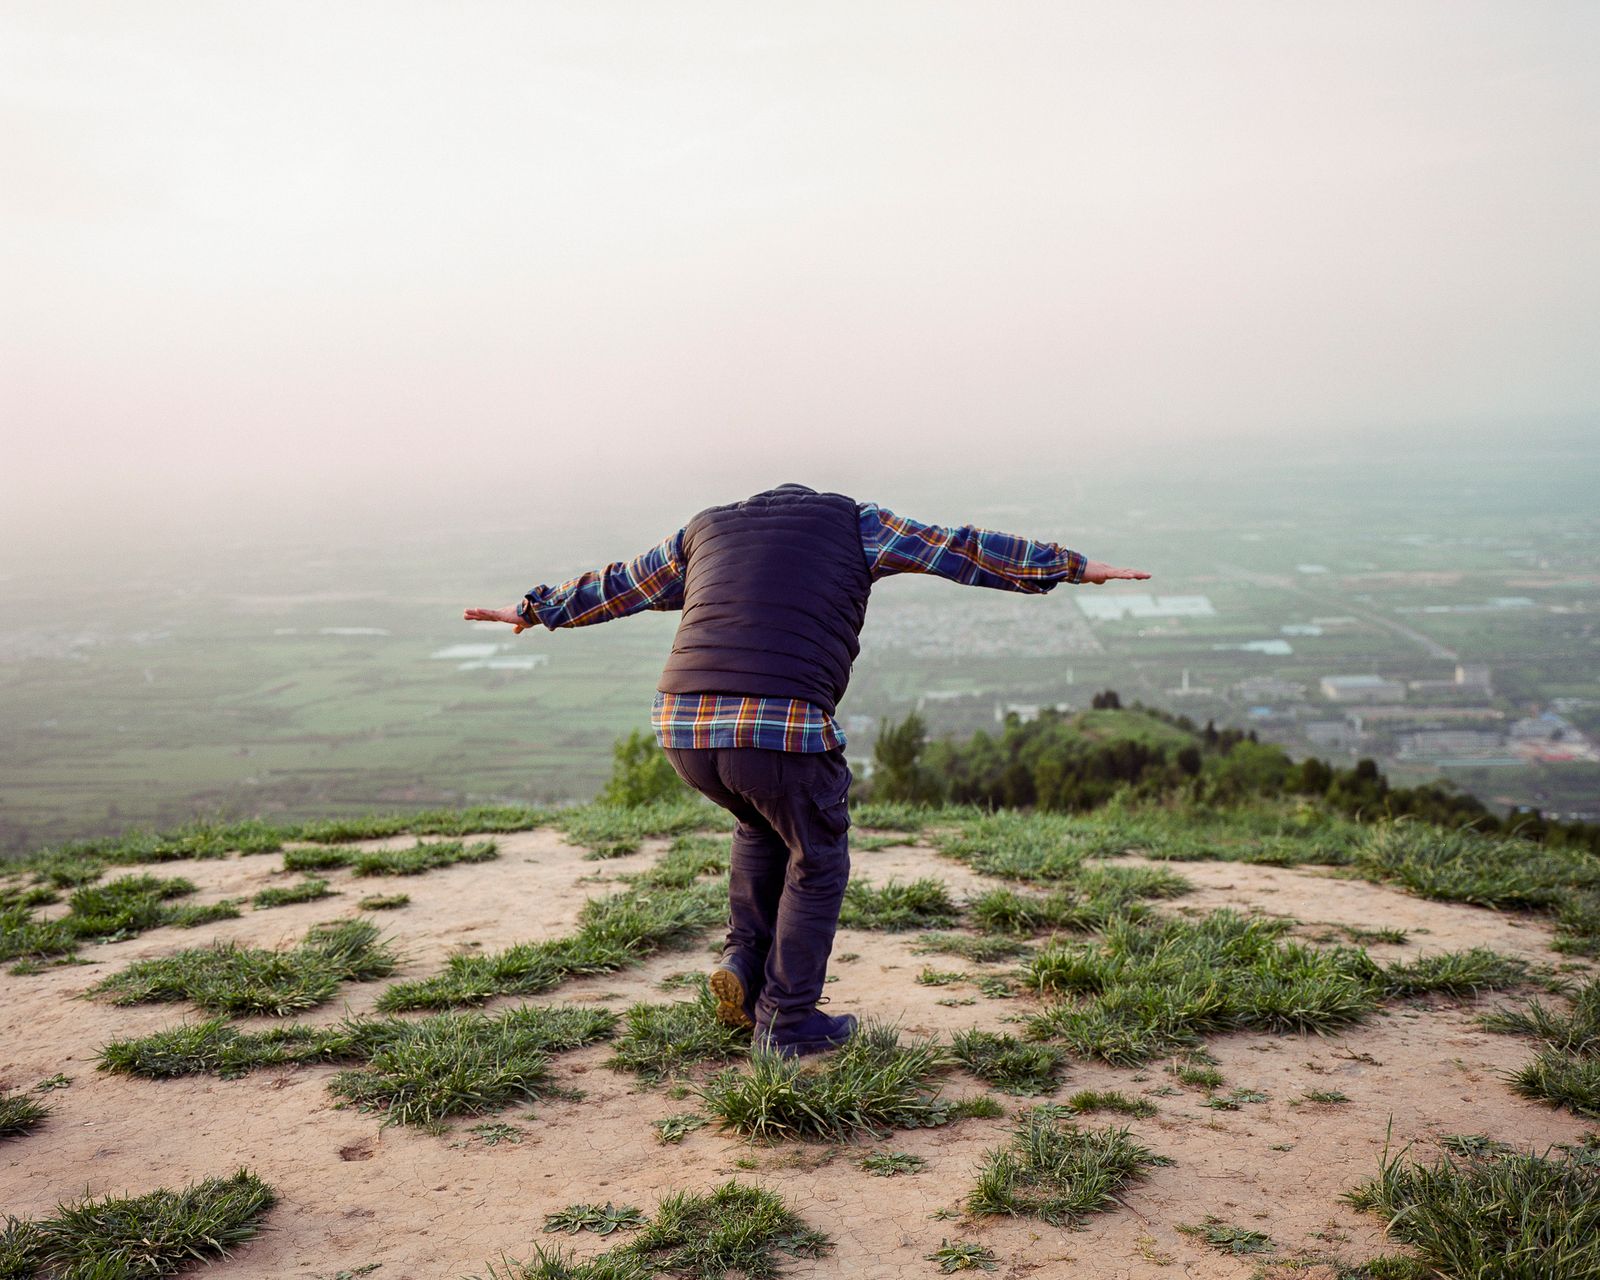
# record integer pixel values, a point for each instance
(529, 614)
(1076, 565)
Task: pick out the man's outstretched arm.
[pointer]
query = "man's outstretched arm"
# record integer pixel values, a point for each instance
(976, 557)
(653, 580)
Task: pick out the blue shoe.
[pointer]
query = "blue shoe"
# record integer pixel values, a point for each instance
(817, 1032)
(735, 991)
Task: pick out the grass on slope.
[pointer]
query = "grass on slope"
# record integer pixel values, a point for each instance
(730, 1230)
(1566, 1069)
(1153, 987)
(1053, 1170)
(111, 912)
(612, 933)
(662, 1040)
(19, 1113)
(226, 978)
(124, 1238)
(419, 1072)
(870, 1085)
(414, 861)
(1503, 1214)
(1502, 872)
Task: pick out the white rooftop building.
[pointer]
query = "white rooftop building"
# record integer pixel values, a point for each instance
(1114, 606)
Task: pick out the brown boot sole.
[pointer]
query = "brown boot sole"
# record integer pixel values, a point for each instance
(729, 991)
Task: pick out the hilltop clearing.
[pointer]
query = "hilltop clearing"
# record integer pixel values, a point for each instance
(1139, 1042)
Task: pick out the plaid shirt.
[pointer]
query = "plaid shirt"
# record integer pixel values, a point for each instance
(893, 544)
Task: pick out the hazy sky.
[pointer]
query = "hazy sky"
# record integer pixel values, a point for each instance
(351, 253)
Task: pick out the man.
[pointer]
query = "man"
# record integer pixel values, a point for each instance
(773, 591)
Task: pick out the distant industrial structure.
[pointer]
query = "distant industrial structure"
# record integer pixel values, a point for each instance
(1362, 689)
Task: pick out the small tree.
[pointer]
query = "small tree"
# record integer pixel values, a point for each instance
(897, 772)
(640, 773)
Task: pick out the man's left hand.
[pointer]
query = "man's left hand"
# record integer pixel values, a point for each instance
(497, 615)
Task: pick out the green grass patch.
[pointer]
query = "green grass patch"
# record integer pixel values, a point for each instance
(308, 890)
(20, 1114)
(1100, 896)
(673, 1129)
(613, 831)
(889, 1164)
(156, 1234)
(422, 857)
(732, 1228)
(1008, 1063)
(385, 902)
(1502, 872)
(871, 1085)
(226, 978)
(317, 858)
(1153, 987)
(978, 948)
(1224, 1237)
(1023, 846)
(217, 1047)
(453, 1064)
(688, 859)
(662, 1040)
(612, 934)
(191, 915)
(1509, 1215)
(603, 1220)
(1087, 1101)
(1053, 1170)
(111, 912)
(897, 906)
(961, 1255)
(428, 822)
(1565, 1071)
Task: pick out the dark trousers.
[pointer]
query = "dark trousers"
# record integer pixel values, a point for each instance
(789, 865)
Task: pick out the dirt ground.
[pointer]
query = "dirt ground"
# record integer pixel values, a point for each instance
(438, 1207)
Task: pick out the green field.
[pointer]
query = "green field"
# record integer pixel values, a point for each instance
(206, 685)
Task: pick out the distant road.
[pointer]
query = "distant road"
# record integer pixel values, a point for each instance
(1287, 583)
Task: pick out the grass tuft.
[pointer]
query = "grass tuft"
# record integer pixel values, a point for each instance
(603, 1220)
(673, 1129)
(1008, 1063)
(308, 890)
(870, 1085)
(453, 1064)
(156, 1234)
(888, 1164)
(662, 1040)
(225, 978)
(732, 1228)
(978, 948)
(613, 831)
(19, 1113)
(612, 934)
(1053, 1170)
(897, 906)
(1227, 1238)
(1516, 1216)
(1154, 986)
(1091, 1100)
(962, 1255)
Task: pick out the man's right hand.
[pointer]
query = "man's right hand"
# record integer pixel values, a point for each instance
(1097, 572)
(497, 615)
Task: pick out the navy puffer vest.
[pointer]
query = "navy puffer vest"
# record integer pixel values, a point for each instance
(775, 592)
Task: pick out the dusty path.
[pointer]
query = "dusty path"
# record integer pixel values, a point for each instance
(435, 1208)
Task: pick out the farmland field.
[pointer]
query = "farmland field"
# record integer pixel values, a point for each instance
(296, 675)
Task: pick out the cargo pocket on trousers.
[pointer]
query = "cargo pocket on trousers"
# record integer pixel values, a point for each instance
(832, 800)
